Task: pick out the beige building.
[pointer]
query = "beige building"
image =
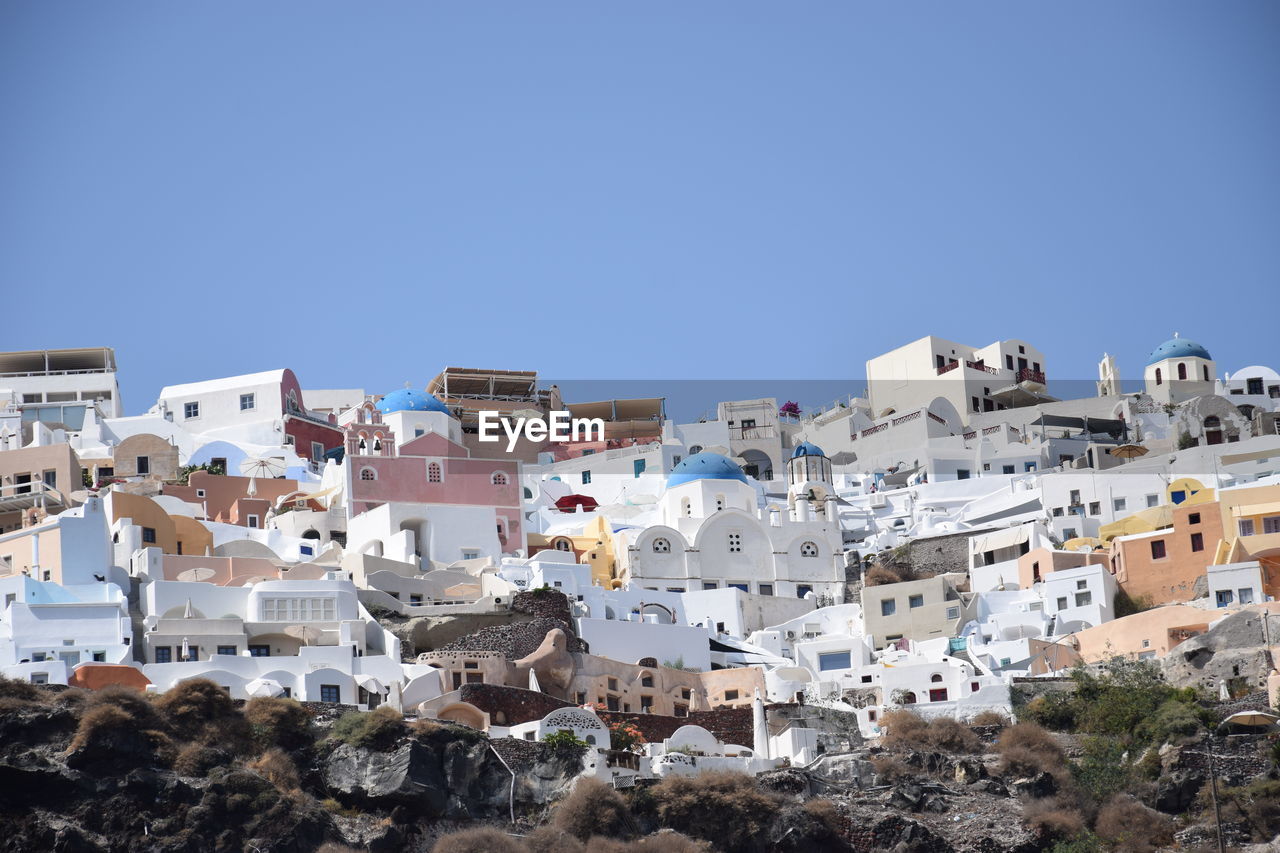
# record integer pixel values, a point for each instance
(915, 610)
(35, 482)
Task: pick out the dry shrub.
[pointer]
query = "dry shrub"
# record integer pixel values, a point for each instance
(282, 722)
(133, 702)
(190, 705)
(1131, 826)
(425, 727)
(826, 814)
(1027, 749)
(1054, 817)
(879, 576)
(231, 733)
(100, 726)
(197, 760)
(889, 769)
(485, 840)
(594, 808)
(551, 839)
(377, 730)
(725, 808)
(949, 736)
(667, 841)
(904, 730)
(989, 718)
(110, 733)
(15, 693)
(278, 769)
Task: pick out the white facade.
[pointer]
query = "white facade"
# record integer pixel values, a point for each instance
(64, 376)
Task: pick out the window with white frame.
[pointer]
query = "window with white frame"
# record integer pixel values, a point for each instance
(247, 403)
(834, 660)
(1245, 526)
(317, 451)
(190, 410)
(299, 609)
(808, 549)
(1271, 524)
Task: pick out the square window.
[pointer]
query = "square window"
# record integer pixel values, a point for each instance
(1153, 500)
(1158, 550)
(1095, 508)
(246, 402)
(888, 606)
(1245, 596)
(190, 410)
(164, 654)
(953, 612)
(915, 601)
(1245, 526)
(1082, 584)
(834, 660)
(149, 535)
(1007, 469)
(766, 589)
(1193, 518)
(1118, 505)
(730, 695)
(1062, 602)
(1084, 599)
(330, 693)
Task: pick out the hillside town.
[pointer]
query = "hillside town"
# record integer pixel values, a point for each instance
(757, 590)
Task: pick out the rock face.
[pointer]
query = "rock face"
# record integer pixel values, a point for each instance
(1235, 648)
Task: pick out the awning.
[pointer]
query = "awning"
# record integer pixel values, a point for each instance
(999, 539)
(1272, 508)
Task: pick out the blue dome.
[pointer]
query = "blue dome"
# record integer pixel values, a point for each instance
(410, 400)
(1178, 348)
(705, 466)
(807, 449)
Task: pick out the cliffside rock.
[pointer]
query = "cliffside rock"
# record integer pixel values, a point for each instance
(409, 775)
(1176, 791)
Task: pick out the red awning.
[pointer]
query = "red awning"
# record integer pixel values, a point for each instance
(570, 503)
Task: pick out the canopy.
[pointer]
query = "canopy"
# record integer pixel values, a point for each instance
(264, 687)
(1007, 538)
(570, 503)
(373, 685)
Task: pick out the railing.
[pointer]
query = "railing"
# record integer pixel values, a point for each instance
(1026, 374)
(875, 429)
(947, 368)
(934, 417)
(59, 372)
(977, 365)
(752, 433)
(907, 417)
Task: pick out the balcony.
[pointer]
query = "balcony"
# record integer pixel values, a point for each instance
(1026, 374)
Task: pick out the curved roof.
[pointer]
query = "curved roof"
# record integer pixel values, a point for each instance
(705, 466)
(1178, 348)
(806, 448)
(411, 400)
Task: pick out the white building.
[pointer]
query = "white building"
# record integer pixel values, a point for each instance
(46, 630)
(63, 376)
(1178, 370)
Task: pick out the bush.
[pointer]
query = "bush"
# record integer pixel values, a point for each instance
(1131, 826)
(1055, 711)
(1174, 721)
(726, 809)
(132, 702)
(880, 576)
(906, 730)
(377, 730)
(565, 740)
(594, 808)
(109, 733)
(197, 760)
(989, 718)
(477, 841)
(278, 769)
(18, 692)
(191, 704)
(889, 769)
(903, 730)
(1054, 818)
(950, 736)
(1026, 749)
(1102, 769)
(552, 839)
(282, 722)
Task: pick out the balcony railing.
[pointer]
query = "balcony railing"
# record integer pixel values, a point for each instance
(1026, 374)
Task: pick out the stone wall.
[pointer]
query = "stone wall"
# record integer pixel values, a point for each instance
(549, 610)
(511, 706)
(730, 725)
(924, 558)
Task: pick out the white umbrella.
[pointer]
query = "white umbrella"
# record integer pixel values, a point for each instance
(373, 685)
(186, 649)
(197, 575)
(264, 687)
(261, 466)
(305, 633)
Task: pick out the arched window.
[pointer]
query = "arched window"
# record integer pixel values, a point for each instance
(433, 472)
(936, 678)
(528, 493)
(909, 699)
(564, 545)
(1182, 370)
(808, 549)
(499, 478)
(1212, 422)
(1159, 378)
(661, 546)
(367, 474)
(697, 448)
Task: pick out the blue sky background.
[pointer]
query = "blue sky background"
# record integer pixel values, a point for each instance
(367, 192)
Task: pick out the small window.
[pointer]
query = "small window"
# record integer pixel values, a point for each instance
(1084, 599)
(1245, 526)
(1153, 500)
(586, 478)
(730, 695)
(953, 612)
(808, 549)
(247, 403)
(1062, 602)
(888, 606)
(1271, 524)
(1157, 549)
(834, 660)
(915, 601)
(1007, 469)
(1082, 584)
(766, 589)
(1193, 518)
(1069, 533)
(149, 535)
(190, 410)
(962, 474)
(142, 465)
(1197, 541)
(433, 473)
(226, 650)
(199, 493)
(164, 654)
(317, 451)
(499, 478)
(1095, 508)
(367, 474)
(1118, 505)
(253, 522)
(564, 545)
(1057, 512)
(330, 693)
(260, 651)
(803, 589)
(661, 546)
(710, 585)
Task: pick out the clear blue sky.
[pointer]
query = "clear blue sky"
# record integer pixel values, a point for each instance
(367, 192)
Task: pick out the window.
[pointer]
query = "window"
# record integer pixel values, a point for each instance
(164, 654)
(962, 474)
(915, 601)
(149, 535)
(317, 451)
(637, 467)
(253, 522)
(367, 474)
(1193, 518)
(661, 546)
(142, 465)
(888, 606)
(586, 477)
(1159, 377)
(977, 404)
(1069, 533)
(564, 545)
(1118, 505)
(1153, 500)
(1006, 469)
(730, 695)
(1158, 550)
(1245, 526)
(247, 403)
(1223, 597)
(710, 585)
(681, 710)
(1245, 596)
(808, 549)
(500, 478)
(735, 543)
(1182, 370)
(415, 598)
(1095, 508)
(1057, 512)
(803, 589)
(433, 473)
(1074, 499)
(226, 650)
(953, 612)
(834, 660)
(1197, 541)
(745, 587)
(1271, 524)
(199, 493)
(99, 657)
(1084, 599)
(419, 432)
(1062, 602)
(938, 695)
(299, 609)
(190, 410)
(766, 589)
(330, 693)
